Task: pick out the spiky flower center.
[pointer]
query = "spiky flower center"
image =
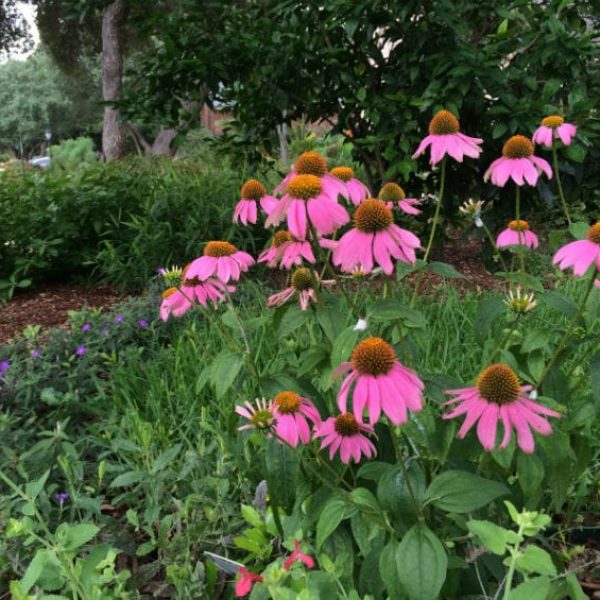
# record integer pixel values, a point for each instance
(219, 249)
(443, 123)
(262, 418)
(172, 276)
(168, 292)
(553, 121)
(253, 190)
(343, 173)
(372, 215)
(518, 146)
(391, 192)
(499, 384)
(305, 187)
(519, 225)
(346, 425)
(593, 233)
(287, 402)
(373, 356)
(311, 163)
(303, 279)
(281, 237)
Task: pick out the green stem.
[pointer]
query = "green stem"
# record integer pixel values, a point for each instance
(559, 186)
(409, 486)
(436, 217)
(514, 555)
(506, 337)
(520, 234)
(569, 330)
(493, 242)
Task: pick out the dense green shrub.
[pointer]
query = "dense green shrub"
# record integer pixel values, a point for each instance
(116, 221)
(74, 153)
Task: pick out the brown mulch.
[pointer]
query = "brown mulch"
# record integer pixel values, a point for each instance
(49, 306)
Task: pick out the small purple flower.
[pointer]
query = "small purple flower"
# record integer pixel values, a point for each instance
(143, 324)
(119, 319)
(104, 330)
(61, 497)
(160, 270)
(36, 353)
(86, 327)
(4, 365)
(81, 350)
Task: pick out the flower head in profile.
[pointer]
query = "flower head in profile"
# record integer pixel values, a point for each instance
(499, 396)
(374, 239)
(473, 209)
(61, 497)
(171, 276)
(253, 194)
(517, 163)
(260, 416)
(304, 284)
(246, 582)
(554, 128)
(355, 190)
(581, 254)
(520, 303)
(313, 163)
(379, 382)
(221, 260)
(345, 434)
(298, 556)
(305, 203)
(517, 234)
(445, 138)
(291, 412)
(176, 302)
(285, 251)
(391, 193)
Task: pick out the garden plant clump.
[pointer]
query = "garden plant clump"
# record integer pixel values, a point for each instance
(352, 433)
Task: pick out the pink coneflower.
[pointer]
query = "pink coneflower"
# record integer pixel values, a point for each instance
(582, 254)
(304, 283)
(305, 201)
(222, 260)
(285, 251)
(498, 395)
(253, 192)
(445, 138)
(298, 555)
(291, 411)
(246, 582)
(517, 163)
(381, 382)
(345, 433)
(312, 163)
(355, 190)
(517, 233)
(374, 238)
(392, 193)
(176, 302)
(260, 417)
(552, 128)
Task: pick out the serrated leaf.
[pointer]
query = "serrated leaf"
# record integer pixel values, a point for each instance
(80, 534)
(492, 536)
(34, 570)
(533, 589)
(535, 560)
(165, 458)
(128, 478)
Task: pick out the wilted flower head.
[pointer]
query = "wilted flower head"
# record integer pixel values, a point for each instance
(520, 303)
(260, 417)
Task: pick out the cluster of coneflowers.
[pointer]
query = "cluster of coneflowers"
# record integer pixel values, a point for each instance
(315, 204)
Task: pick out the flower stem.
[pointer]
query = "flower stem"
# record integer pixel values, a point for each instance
(506, 337)
(520, 235)
(514, 555)
(559, 186)
(569, 330)
(436, 217)
(409, 486)
(493, 242)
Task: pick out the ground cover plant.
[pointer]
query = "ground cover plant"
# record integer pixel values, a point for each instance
(312, 421)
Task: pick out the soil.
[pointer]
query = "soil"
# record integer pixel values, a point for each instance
(49, 306)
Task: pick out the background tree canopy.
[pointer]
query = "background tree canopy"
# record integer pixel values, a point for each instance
(380, 68)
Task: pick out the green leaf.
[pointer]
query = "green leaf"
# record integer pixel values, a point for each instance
(331, 319)
(499, 129)
(576, 153)
(533, 589)
(444, 269)
(333, 513)
(129, 478)
(488, 311)
(558, 458)
(395, 497)
(595, 379)
(422, 563)
(575, 591)
(364, 499)
(530, 470)
(492, 536)
(282, 469)
(165, 459)
(292, 319)
(373, 470)
(33, 488)
(579, 230)
(559, 302)
(343, 345)
(225, 369)
(535, 560)
(502, 29)
(34, 570)
(80, 534)
(462, 492)
(388, 569)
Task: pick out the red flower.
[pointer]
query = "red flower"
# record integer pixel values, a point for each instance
(297, 554)
(246, 581)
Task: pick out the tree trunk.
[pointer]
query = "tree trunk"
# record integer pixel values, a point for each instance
(161, 146)
(112, 77)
